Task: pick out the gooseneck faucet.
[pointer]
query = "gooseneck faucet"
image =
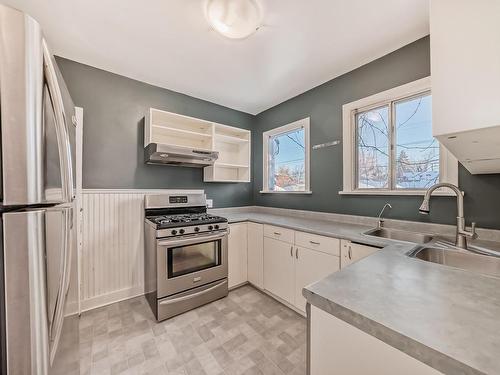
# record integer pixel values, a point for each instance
(380, 220)
(462, 232)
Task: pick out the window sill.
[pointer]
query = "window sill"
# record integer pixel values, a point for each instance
(285, 192)
(443, 193)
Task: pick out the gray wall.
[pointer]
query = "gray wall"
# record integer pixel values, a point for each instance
(323, 105)
(114, 109)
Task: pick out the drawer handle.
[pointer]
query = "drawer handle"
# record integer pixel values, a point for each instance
(277, 233)
(350, 253)
(315, 243)
(190, 296)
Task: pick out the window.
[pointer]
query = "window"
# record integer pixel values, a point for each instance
(388, 143)
(286, 159)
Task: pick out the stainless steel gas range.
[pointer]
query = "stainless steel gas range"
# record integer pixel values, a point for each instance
(185, 263)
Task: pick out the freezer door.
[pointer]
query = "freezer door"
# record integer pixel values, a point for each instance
(37, 259)
(37, 117)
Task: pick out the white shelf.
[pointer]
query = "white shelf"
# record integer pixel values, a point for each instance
(233, 164)
(173, 129)
(176, 120)
(222, 180)
(232, 143)
(230, 165)
(182, 132)
(230, 139)
(231, 131)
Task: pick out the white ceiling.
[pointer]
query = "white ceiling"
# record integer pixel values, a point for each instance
(168, 43)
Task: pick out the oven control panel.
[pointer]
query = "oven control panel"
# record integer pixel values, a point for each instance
(192, 229)
(177, 199)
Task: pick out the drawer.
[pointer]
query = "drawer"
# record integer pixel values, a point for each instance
(315, 242)
(279, 233)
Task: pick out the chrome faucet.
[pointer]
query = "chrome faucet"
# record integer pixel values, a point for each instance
(462, 232)
(380, 220)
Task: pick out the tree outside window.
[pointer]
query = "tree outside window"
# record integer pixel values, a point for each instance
(394, 146)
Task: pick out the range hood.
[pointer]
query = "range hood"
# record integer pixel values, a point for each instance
(156, 153)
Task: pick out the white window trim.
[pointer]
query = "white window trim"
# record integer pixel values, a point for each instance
(304, 123)
(448, 163)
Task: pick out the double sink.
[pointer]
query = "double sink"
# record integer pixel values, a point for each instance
(475, 259)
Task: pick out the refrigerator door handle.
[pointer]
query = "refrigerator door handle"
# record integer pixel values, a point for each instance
(57, 322)
(61, 125)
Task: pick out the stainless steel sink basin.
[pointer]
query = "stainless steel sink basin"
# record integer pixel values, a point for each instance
(400, 235)
(463, 259)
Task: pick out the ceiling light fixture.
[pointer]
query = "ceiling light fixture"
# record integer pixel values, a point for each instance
(234, 19)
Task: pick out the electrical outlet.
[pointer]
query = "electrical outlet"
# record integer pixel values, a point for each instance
(210, 203)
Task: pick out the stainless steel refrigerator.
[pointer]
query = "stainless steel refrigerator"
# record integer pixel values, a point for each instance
(37, 119)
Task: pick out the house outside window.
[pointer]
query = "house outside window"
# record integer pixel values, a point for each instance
(286, 158)
(388, 144)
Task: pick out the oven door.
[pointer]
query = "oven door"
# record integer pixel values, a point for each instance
(191, 261)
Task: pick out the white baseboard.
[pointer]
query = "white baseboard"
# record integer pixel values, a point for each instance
(113, 297)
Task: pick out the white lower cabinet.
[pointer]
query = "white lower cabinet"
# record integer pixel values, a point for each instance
(237, 254)
(336, 347)
(352, 252)
(311, 266)
(279, 269)
(283, 261)
(289, 268)
(256, 254)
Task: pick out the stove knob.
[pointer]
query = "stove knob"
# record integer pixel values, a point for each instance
(216, 226)
(181, 231)
(210, 227)
(174, 232)
(196, 229)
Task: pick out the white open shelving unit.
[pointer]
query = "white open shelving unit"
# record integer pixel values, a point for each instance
(233, 164)
(233, 144)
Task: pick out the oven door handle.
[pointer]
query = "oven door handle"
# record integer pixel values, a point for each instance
(192, 239)
(189, 296)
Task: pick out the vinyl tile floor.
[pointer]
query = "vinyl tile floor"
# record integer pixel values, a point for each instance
(247, 333)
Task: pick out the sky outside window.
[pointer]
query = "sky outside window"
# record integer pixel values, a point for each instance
(287, 161)
(416, 156)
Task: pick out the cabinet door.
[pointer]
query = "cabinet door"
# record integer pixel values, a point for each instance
(237, 254)
(311, 266)
(352, 252)
(279, 269)
(256, 254)
(337, 347)
(464, 80)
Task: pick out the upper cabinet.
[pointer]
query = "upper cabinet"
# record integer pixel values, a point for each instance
(172, 129)
(232, 144)
(465, 65)
(233, 164)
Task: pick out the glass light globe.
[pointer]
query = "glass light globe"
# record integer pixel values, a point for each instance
(235, 19)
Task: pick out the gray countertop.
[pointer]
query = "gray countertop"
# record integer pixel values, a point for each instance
(444, 317)
(328, 228)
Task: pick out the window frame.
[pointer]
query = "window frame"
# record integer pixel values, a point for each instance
(448, 164)
(296, 125)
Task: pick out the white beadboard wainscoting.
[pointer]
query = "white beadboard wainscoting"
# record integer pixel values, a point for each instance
(112, 248)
